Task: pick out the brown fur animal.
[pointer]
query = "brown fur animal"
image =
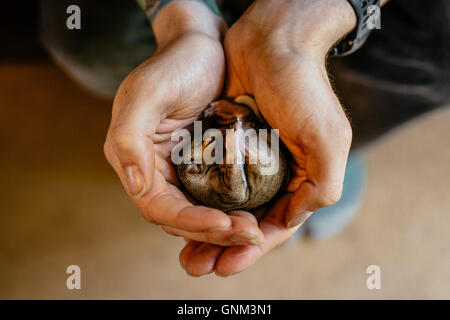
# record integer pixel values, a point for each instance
(239, 185)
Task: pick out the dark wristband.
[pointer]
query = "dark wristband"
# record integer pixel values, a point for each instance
(355, 39)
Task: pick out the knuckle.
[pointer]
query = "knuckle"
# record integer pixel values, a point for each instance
(341, 131)
(346, 132)
(149, 218)
(121, 141)
(170, 231)
(148, 215)
(330, 197)
(107, 151)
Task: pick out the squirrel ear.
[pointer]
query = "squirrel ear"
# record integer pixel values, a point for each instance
(226, 111)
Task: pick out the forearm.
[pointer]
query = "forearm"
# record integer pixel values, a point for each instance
(172, 19)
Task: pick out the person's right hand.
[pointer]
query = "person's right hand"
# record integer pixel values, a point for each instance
(168, 92)
(276, 52)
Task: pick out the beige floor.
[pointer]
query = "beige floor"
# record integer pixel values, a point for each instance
(61, 204)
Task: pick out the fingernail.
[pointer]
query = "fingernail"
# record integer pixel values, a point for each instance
(244, 237)
(299, 219)
(220, 275)
(135, 180)
(191, 275)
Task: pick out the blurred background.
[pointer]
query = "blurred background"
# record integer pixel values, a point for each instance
(62, 204)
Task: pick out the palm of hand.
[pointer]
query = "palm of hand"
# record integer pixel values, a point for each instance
(166, 92)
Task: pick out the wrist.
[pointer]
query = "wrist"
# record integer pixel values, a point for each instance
(302, 26)
(187, 17)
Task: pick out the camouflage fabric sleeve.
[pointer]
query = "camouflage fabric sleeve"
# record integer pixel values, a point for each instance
(152, 7)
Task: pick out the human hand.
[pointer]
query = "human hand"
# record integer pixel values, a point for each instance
(277, 53)
(165, 93)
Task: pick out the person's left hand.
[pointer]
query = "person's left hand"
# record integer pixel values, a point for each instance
(165, 93)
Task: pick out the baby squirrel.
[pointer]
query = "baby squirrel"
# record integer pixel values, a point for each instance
(243, 185)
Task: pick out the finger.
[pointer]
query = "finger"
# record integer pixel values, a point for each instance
(244, 231)
(236, 259)
(159, 205)
(326, 161)
(173, 211)
(187, 251)
(128, 146)
(203, 259)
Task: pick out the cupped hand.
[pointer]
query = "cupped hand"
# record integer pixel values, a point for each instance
(277, 52)
(168, 92)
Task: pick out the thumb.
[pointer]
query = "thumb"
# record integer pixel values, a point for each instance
(129, 148)
(132, 157)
